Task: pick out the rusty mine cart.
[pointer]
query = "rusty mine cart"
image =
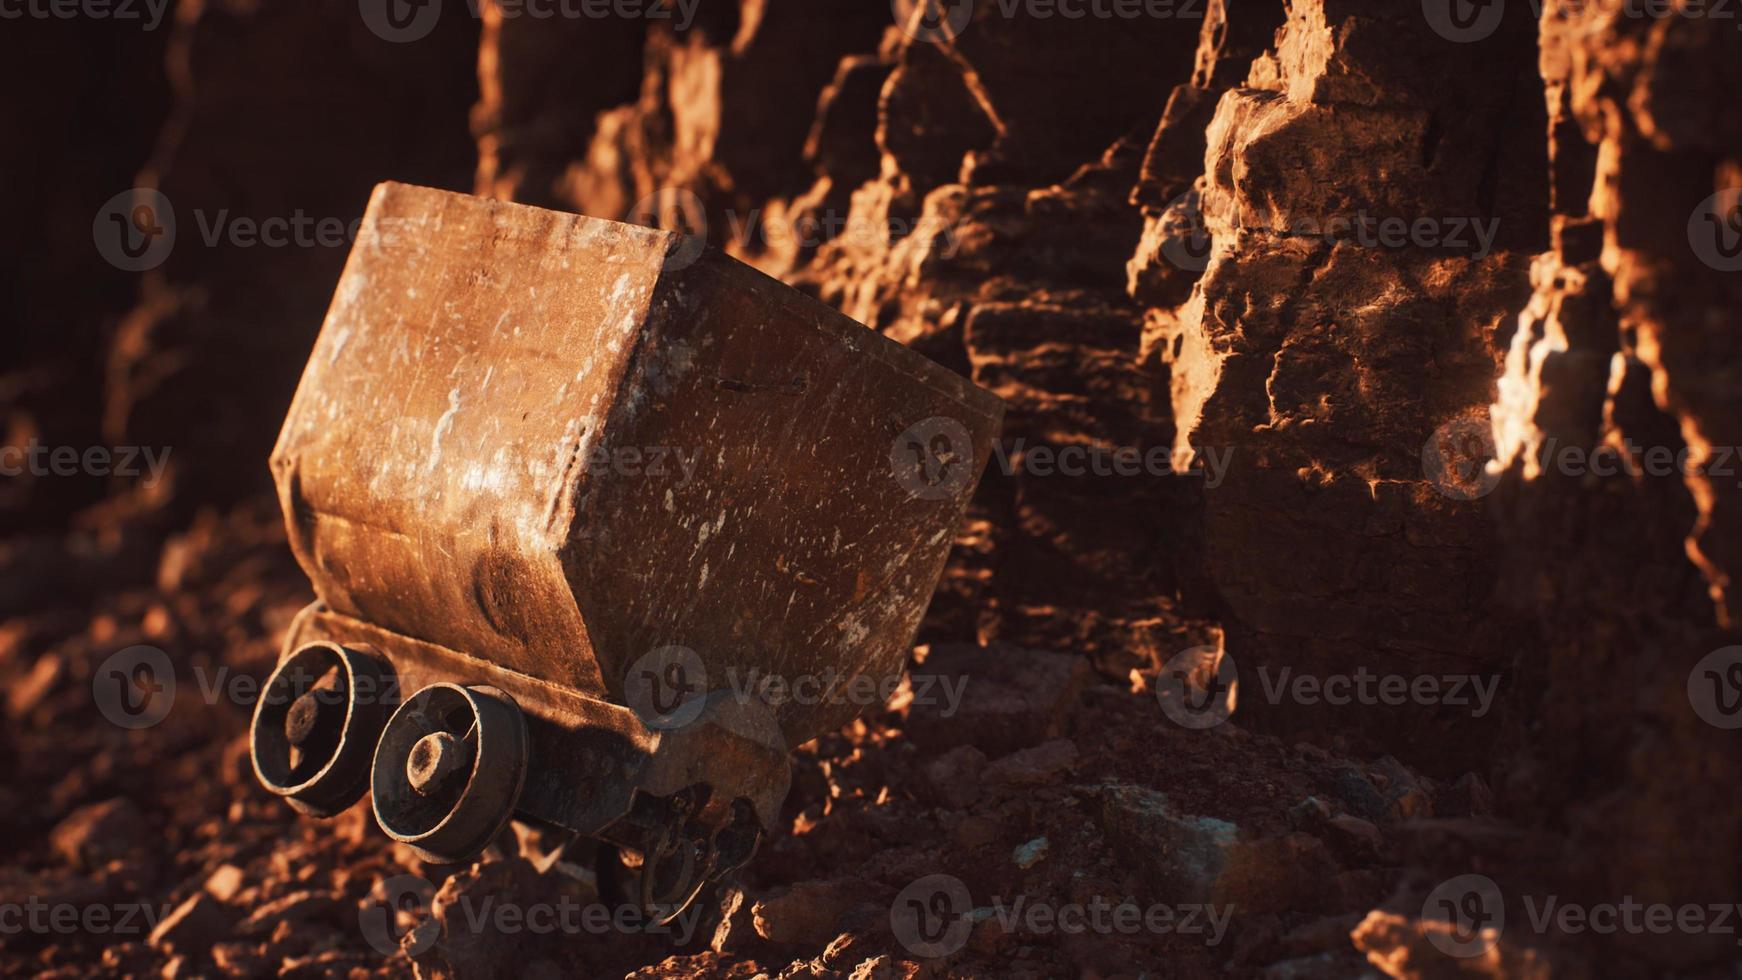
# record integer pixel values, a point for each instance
(557, 481)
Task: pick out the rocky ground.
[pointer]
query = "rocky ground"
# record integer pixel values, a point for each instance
(1045, 785)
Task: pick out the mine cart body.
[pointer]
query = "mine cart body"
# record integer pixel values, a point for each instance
(533, 450)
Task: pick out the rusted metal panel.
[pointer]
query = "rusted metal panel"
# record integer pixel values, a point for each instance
(555, 443)
(540, 465)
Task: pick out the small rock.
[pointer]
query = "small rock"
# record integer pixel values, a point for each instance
(36, 686)
(1277, 874)
(1402, 946)
(195, 926)
(459, 949)
(845, 949)
(1406, 796)
(808, 913)
(736, 927)
(1358, 793)
(1361, 835)
(300, 906)
(1181, 856)
(1468, 797)
(1030, 854)
(322, 965)
(1006, 698)
(954, 777)
(241, 959)
(977, 831)
(94, 835)
(1310, 814)
(877, 968)
(224, 883)
(1038, 766)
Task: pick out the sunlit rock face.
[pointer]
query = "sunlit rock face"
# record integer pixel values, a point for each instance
(1330, 304)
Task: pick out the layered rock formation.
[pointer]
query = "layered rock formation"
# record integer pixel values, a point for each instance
(1617, 419)
(1326, 351)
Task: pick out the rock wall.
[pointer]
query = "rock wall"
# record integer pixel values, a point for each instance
(1616, 423)
(263, 204)
(1325, 351)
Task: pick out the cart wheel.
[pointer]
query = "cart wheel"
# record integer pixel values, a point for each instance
(449, 770)
(677, 862)
(316, 723)
(622, 877)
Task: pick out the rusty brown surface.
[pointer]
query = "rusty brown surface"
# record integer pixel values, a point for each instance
(539, 462)
(455, 466)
